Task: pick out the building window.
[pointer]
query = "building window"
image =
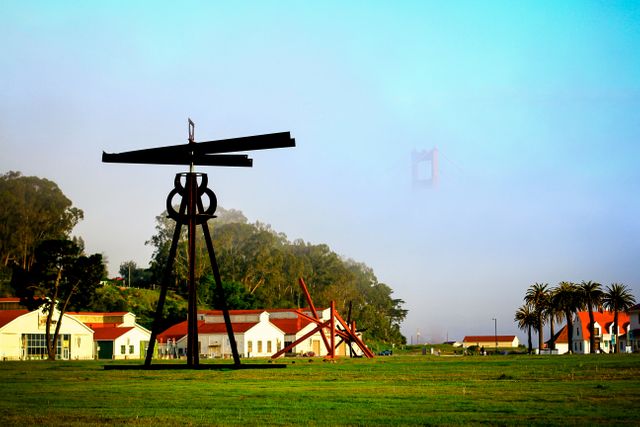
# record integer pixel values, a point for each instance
(123, 349)
(268, 346)
(130, 349)
(35, 345)
(249, 346)
(260, 346)
(596, 331)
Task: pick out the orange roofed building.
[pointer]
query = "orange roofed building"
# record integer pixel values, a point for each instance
(602, 329)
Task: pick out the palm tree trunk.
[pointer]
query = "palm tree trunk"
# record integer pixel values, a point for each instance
(569, 330)
(540, 333)
(592, 338)
(530, 343)
(552, 333)
(616, 347)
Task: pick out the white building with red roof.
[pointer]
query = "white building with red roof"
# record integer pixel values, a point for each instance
(602, 329)
(255, 335)
(82, 336)
(23, 336)
(258, 333)
(116, 334)
(560, 341)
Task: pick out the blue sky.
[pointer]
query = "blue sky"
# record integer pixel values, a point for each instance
(534, 106)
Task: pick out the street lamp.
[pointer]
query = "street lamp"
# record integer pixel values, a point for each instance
(495, 331)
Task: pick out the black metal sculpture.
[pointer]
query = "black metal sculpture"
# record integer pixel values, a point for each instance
(192, 186)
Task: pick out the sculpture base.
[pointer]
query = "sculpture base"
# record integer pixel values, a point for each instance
(200, 367)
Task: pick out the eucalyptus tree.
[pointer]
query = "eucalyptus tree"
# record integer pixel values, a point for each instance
(591, 293)
(537, 297)
(617, 297)
(32, 210)
(526, 319)
(566, 298)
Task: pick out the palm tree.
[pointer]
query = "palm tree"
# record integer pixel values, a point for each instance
(567, 300)
(617, 298)
(538, 298)
(553, 315)
(592, 299)
(526, 319)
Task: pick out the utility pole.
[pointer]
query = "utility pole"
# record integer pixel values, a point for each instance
(495, 331)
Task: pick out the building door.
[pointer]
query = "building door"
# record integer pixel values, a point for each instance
(66, 346)
(105, 349)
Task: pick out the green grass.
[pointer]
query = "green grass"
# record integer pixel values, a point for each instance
(396, 390)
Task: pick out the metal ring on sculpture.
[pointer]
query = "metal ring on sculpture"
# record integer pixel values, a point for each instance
(180, 189)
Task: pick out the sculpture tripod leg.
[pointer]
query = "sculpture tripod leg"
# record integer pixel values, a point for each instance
(163, 287)
(220, 289)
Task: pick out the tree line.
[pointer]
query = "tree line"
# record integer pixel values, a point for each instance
(545, 305)
(260, 268)
(42, 264)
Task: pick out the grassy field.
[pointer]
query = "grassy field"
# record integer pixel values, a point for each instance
(396, 390)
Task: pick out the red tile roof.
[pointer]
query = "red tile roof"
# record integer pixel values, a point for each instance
(110, 334)
(562, 337)
(488, 338)
(290, 326)
(7, 316)
(175, 332)
(604, 319)
(9, 299)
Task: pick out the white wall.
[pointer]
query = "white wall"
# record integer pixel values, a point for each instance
(131, 340)
(265, 340)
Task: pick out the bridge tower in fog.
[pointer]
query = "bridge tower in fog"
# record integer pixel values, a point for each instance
(424, 168)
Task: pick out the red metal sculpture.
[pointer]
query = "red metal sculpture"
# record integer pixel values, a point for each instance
(347, 333)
